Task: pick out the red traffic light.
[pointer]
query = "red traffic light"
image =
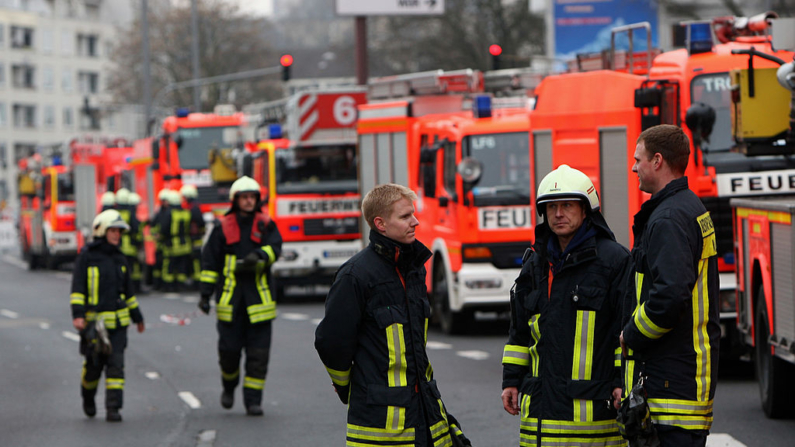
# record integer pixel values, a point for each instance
(286, 60)
(495, 50)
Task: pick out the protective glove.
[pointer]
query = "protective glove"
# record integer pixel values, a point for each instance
(251, 258)
(204, 304)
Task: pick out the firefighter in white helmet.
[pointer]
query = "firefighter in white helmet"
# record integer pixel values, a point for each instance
(174, 226)
(103, 303)
(131, 240)
(570, 289)
(154, 234)
(108, 200)
(236, 264)
(197, 229)
(135, 200)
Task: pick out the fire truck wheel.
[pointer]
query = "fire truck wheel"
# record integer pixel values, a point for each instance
(773, 374)
(450, 322)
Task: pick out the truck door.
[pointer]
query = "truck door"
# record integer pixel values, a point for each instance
(448, 195)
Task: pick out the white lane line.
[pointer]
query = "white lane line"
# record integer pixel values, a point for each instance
(9, 314)
(15, 262)
(152, 375)
(438, 345)
(171, 296)
(474, 355)
(191, 299)
(295, 316)
(206, 438)
(44, 325)
(71, 336)
(190, 399)
(63, 275)
(723, 440)
(316, 321)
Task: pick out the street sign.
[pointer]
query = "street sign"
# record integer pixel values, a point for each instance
(389, 7)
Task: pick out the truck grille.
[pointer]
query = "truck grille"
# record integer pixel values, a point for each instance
(721, 214)
(331, 226)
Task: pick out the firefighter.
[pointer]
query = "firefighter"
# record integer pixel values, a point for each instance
(563, 355)
(103, 303)
(197, 229)
(671, 333)
(174, 225)
(108, 200)
(138, 238)
(130, 240)
(372, 338)
(154, 234)
(238, 255)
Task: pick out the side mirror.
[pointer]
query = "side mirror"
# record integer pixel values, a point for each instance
(443, 202)
(470, 170)
(429, 180)
(155, 148)
(178, 141)
(699, 119)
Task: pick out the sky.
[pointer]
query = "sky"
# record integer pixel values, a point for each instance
(255, 7)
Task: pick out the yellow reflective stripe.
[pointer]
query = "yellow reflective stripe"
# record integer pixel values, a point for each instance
(340, 378)
(93, 286)
(124, 316)
(574, 427)
(85, 384)
(646, 326)
(686, 422)
(582, 364)
(396, 373)
(444, 441)
(109, 318)
(253, 383)
(114, 384)
(584, 442)
(380, 434)
(535, 332)
(679, 406)
(209, 276)
(516, 355)
(229, 284)
(230, 376)
(349, 443)
(617, 358)
(224, 312)
(638, 288)
(271, 254)
(709, 247)
(629, 375)
(425, 333)
(261, 312)
(167, 276)
(132, 302)
(701, 343)
(429, 372)
(77, 299)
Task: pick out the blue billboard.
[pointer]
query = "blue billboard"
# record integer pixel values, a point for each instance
(583, 26)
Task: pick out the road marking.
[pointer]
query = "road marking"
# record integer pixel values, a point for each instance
(15, 262)
(474, 355)
(723, 440)
(44, 325)
(152, 375)
(9, 314)
(206, 438)
(71, 336)
(171, 296)
(438, 345)
(63, 275)
(316, 321)
(295, 317)
(191, 299)
(190, 399)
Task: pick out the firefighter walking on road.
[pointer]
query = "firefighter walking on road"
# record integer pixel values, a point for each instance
(197, 229)
(562, 362)
(131, 240)
(103, 303)
(173, 227)
(236, 268)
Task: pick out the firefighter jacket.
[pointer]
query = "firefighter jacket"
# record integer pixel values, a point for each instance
(197, 226)
(131, 240)
(563, 351)
(372, 342)
(241, 285)
(102, 288)
(672, 321)
(173, 230)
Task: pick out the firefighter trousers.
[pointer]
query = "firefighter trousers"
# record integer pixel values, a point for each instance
(679, 437)
(113, 365)
(135, 272)
(256, 340)
(174, 272)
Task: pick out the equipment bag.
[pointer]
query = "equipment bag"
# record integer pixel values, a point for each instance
(634, 418)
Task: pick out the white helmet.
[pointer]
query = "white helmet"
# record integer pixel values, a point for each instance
(189, 192)
(244, 184)
(108, 219)
(108, 199)
(163, 194)
(174, 198)
(123, 196)
(135, 198)
(566, 183)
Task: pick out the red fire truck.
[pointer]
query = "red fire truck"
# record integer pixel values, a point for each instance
(591, 121)
(310, 179)
(468, 159)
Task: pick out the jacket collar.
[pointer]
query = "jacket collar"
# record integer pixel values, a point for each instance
(414, 254)
(673, 187)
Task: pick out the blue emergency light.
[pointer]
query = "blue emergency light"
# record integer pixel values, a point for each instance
(481, 106)
(182, 112)
(275, 131)
(56, 160)
(699, 38)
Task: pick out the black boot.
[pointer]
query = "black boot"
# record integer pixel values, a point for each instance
(227, 399)
(89, 407)
(113, 415)
(254, 410)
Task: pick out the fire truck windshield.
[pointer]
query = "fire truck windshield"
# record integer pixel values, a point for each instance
(506, 168)
(714, 89)
(197, 141)
(66, 188)
(316, 170)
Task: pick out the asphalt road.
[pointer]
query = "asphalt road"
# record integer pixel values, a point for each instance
(173, 385)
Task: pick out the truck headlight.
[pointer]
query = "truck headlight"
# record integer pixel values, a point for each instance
(483, 283)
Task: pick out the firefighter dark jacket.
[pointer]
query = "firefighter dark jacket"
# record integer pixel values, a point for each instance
(372, 342)
(102, 288)
(672, 322)
(174, 231)
(236, 266)
(131, 240)
(563, 352)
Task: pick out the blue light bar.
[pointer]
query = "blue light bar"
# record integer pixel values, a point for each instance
(700, 40)
(56, 160)
(182, 112)
(481, 106)
(275, 131)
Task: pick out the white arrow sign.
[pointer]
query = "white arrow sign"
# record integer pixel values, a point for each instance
(389, 7)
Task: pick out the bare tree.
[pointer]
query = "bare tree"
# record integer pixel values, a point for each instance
(228, 43)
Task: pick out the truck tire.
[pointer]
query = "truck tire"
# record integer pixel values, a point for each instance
(452, 323)
(773, 374)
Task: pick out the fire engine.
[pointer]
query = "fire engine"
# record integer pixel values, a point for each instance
(764, 236)
(591, 119)
(467, 157)
(309, 178)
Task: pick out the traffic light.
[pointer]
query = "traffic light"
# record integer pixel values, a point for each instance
(495, 51)
(286, 60)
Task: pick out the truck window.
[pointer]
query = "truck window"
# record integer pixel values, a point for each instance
(714, 89)
(47, 191)
(197, 141)
(316, 169)
(66, 188)
(450, 167)
(506, 167)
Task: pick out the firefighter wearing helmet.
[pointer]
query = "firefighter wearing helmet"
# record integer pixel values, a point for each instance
(154, 234)
(174, 226)
(135, 200)
(197, 229)
(570, 289)
(236, 264)
(131, 241)
(108, 200)
(103, 304)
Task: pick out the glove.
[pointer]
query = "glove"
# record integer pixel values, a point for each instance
(204, 304)
(251, 258)
(342, 393)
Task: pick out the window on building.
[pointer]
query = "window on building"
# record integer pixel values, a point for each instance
(90, 121)
(24, 116)
(49, 117)
(68, 118)
(46, 41)
(3, 115)
(23, 76)
(3, 155)
(2, 35)
(66, 80)
(67, 47)
(23, 150)
(92, 8)
(111, 121)
(48, 79)
(21, 37)
(88, 45)
(88, 82)
(2, 75)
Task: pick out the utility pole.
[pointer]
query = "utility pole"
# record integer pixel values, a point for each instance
(361, 50)
(147, 73)
(194, 30)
